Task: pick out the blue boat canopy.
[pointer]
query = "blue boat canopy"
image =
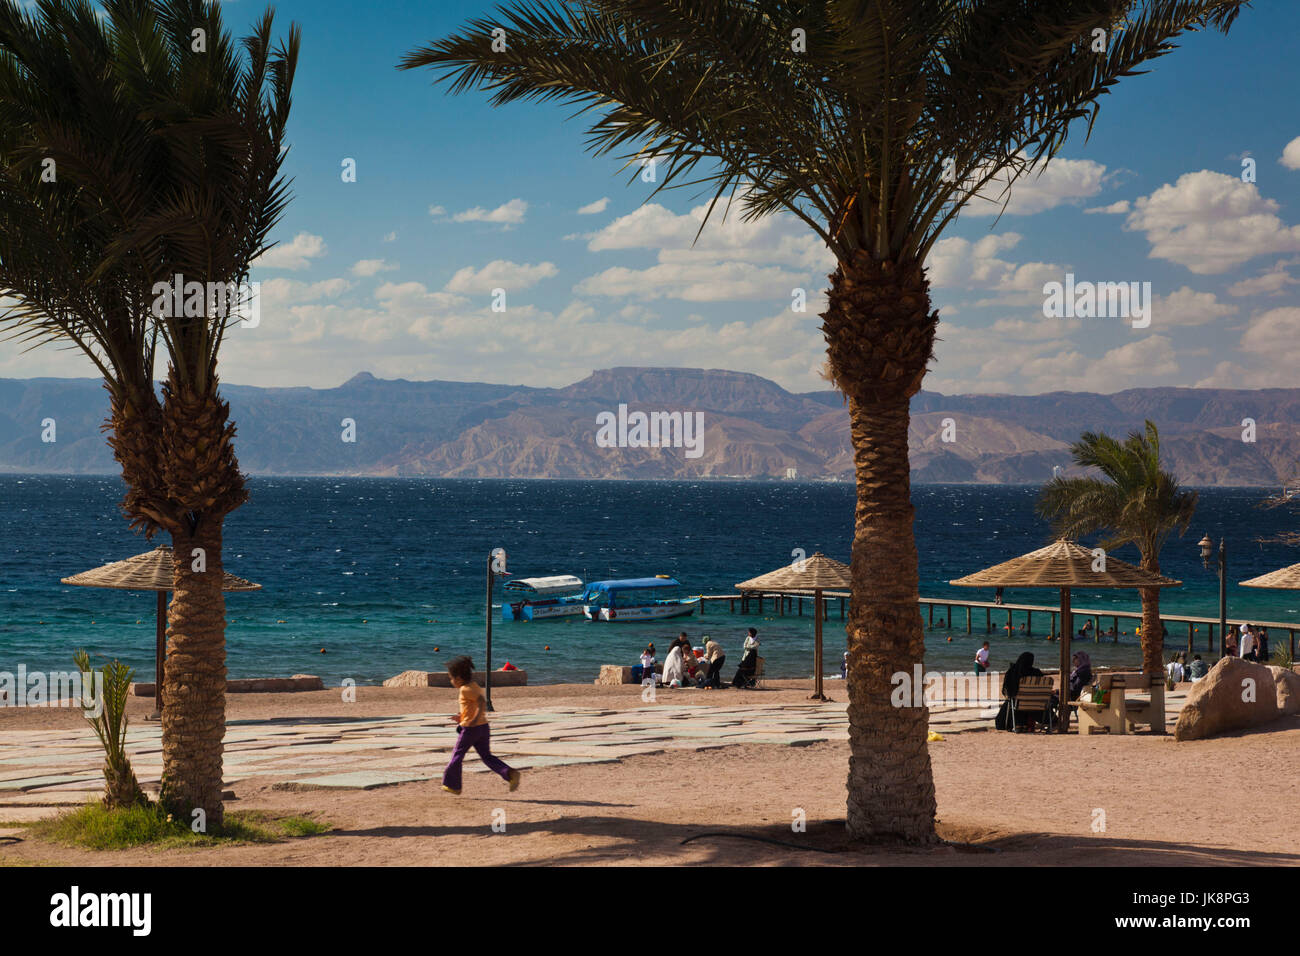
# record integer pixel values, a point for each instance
(629, 583)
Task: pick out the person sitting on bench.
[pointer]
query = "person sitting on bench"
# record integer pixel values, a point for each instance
(1081, 675)
(1023, 667)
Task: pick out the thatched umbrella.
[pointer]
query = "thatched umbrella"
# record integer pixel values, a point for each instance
(1064, 565)
(151, 571)
(1287, 579)
(818, 573)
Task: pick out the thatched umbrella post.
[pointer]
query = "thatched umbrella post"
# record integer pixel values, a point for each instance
(816, 574)
(817, 647)
(151, 571)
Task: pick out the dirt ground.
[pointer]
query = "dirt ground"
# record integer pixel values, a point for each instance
(1010, 799)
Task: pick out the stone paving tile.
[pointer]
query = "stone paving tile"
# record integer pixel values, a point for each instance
(29, 814)
(360, 780)
(527, 762)
(50, 798)
(49, 780)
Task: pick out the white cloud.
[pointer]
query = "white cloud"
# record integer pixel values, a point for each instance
(958, 265)
(1059, 182)
(500, 273)
(292, 255)
(1187, 307)
(1211, 222)
(437, 211)
(280, 291)
(779, 238)
(1291, 154)
(1269, 354)
(391, 237)
(1272, 282)
(594, 207)
(1114, 209)
(508, 213)
(370, 267)
(699, 281)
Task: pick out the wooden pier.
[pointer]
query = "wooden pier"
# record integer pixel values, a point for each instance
(792, 603)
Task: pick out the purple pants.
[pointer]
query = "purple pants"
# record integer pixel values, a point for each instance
(478, 738)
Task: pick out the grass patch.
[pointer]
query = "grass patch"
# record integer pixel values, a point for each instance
(97, 828)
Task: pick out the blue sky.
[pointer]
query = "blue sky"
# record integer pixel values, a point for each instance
(369, 275)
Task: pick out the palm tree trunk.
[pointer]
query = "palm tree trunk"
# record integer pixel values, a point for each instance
(203, 479)
(194, 685)
(1153, 634)
(891, 786)
(880, 333)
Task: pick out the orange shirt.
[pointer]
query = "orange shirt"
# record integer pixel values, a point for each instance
(473, 708)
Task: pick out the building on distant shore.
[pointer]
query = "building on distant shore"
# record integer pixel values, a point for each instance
(792, 474)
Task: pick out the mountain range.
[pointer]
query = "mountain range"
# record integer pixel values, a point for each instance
(752, 428)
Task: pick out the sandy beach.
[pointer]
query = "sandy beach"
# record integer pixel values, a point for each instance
(1008, 799)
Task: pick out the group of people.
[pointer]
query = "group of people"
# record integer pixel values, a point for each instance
(1250, 644)
(1181, 669)
(685, 667)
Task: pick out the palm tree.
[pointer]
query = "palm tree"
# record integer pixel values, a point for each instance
(874, 122)
(136, 147)
(1134, 501)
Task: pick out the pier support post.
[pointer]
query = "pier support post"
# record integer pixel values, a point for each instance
(1189, 642)
(1029, 623)
(988, 620)
(1053, 631)
(931, 607)
(967, 618)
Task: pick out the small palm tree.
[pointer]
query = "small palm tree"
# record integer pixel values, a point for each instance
(107, 716)
(1135, 501)
(874, 122)
(139, 142)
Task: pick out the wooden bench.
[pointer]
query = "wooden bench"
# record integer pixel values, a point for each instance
(1123, 714)
(1032, 697)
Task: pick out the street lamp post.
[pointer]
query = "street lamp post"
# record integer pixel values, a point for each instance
(1207, 548)
(496, 564)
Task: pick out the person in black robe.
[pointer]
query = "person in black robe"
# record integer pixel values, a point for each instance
(1023, 667)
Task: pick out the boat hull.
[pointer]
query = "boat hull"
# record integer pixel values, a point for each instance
(540, 611)
(642, 612)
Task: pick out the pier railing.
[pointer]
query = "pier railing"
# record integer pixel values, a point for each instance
(792, 603)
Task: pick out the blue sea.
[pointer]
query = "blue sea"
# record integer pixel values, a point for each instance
(385, 575)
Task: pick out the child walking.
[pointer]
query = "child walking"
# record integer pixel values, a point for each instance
(472, 728)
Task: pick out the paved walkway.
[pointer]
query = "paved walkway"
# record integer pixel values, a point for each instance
(44, 770)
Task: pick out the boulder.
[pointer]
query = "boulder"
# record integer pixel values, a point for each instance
(1235, 694)
(409, 679)
(617, 674)
(1288, 689)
